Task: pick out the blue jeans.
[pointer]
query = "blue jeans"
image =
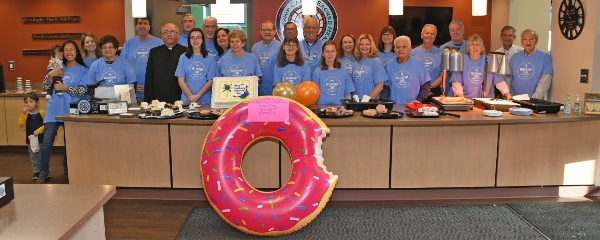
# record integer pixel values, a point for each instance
(50, 130)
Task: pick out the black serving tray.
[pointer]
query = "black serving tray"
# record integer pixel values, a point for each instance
(197, 115)
(387, 115)
(175, 115)
(416, 114)
(322, 114)
(359, 106)
(540, 105)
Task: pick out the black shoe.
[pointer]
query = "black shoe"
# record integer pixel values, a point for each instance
(42, 178)
(35, 176)
(66, 171)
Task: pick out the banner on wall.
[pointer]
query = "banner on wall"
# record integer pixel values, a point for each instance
(291, 11)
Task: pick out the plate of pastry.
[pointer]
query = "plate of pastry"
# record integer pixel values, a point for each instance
(206, 114)
(333, 112)
(371, 113)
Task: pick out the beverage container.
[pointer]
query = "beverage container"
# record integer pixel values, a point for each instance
(577, 106)
(567, 109)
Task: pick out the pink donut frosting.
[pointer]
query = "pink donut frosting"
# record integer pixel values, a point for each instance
(280, 212)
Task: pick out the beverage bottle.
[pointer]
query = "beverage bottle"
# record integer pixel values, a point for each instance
(567, 109)
(577, 105)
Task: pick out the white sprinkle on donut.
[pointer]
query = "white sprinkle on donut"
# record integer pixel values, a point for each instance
(315, 177)
(225, 210)
(295, 161)
(259, 206)
(219, 185)
(241, 180)
(294, 219)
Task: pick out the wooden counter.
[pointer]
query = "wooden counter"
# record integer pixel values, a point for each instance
(55, 211)
(445, 152)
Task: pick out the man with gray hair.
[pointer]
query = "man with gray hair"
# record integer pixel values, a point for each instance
(408, 78)
(161, 82)
(266, 51)
(311, 45)
(531, 70)
(457, 39)
(187, 22)
(507, 35)
(209, 27)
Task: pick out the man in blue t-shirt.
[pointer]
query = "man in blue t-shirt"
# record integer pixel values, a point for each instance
(311, 45)
(136, 51)
(457, 39)
(209, 27)
(187, 23)
(266, 52)
(531, 70)
(430, 55)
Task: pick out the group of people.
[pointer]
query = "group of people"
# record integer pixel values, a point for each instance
(182, 65)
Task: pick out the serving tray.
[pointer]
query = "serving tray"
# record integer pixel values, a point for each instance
(388, 115)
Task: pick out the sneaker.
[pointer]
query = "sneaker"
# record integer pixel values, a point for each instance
(66, 171)
(42, 178)
(35, 175)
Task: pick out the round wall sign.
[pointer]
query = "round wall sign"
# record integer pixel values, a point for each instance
(291, 11)
(571, 18)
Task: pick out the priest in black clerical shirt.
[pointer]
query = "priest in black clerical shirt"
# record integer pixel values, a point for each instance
(161, 83)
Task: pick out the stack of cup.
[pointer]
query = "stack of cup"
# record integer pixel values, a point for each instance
(28, 85)
(19, 84)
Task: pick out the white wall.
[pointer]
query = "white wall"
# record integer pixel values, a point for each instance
(531, 14)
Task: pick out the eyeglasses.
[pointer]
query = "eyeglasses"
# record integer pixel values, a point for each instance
(291, 45)
(169, 32)
(290, 29)
(267, 30)
(196, 38)
(107, 47)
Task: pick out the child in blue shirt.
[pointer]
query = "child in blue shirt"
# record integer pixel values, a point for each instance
(334, 81)
(291, 66)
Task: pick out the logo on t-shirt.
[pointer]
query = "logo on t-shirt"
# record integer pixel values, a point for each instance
(141, 54)
(476, 75)
(359, 73)
(525, 70)
(348, 67)
(197, 70)
(292, 77)
(67, 78)
(402, 79)
(264, 59)
(237, 70)
(332, 86)
(429, 63)
(312, 57)
(111, 77)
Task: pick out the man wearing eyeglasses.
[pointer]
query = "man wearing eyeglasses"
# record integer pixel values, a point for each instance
(209, 27)
(508, 36)
(187, 22)
(266, 51)
(290, 30)
(161, 82)
(311, 45)
(136, 51)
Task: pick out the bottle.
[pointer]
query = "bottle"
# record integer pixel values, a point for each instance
(567, 109)
(577, 105)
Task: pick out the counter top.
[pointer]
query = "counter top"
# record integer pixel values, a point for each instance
(51, 211)
(14, 93)
(472, 117)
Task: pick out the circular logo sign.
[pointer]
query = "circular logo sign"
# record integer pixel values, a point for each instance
(476, 75)
(84, 106)
(525, 70)
(291, 11)
(197, 70)
(402, 79)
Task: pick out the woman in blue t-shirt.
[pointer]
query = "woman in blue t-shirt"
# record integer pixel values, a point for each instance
(346, 51)
(368, 74)
(238, 63)
(386, 44)
(334, 81)
(222, 41)
(196, 70)
(291, 66)
(73, 76)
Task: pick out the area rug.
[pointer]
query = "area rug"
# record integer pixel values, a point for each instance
(563, 220)
(442, 222)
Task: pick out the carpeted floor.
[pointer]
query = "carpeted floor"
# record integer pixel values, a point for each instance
(444, 222)
(563, 220)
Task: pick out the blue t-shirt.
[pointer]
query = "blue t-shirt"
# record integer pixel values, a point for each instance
(88, 61)
(463, 46)
(405, 79)
(384, 56)
(183, 39)
(527, 71)
(333, 84)
(210, 47)
(267, 59)
(119, 72)
(312, 53)
(471, 78)
(431, 58)
(292, 73)
(74, 76)
(197, 71)
(137, 51)
(347, 63)
(366, 74)
(231, 66)
(218, 58)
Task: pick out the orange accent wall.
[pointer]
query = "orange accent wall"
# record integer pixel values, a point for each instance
(98, 17)
(360, 16)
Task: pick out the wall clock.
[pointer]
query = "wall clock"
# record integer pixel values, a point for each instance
(571, 18)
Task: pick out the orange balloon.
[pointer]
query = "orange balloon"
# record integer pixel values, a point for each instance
(307, 93)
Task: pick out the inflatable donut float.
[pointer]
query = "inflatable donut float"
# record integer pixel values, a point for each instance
(255, 212)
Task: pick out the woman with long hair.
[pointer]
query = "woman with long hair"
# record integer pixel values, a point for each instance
(368, 74)
(222, 41)
(334, 81)
(346, 51)
(90, 49)
(73, 76)
(386, 43)
(291, 66)
(196, 70)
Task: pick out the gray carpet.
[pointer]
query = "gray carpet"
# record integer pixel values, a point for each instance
(563, 220)
(447, 222)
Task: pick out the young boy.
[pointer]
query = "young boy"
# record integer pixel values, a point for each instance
(32, 118)
(56, 57)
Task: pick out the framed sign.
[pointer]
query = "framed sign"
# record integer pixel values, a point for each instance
(55, 36)
(591, 103)
(115, 108)
(36, 52)
(57, 19)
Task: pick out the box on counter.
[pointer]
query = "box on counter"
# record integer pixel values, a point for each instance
(7, 190)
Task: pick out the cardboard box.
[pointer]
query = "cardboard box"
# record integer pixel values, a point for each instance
(7, 190)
